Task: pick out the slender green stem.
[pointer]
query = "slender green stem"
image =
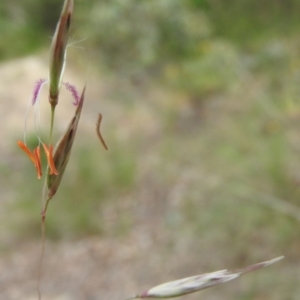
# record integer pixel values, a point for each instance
(45, 208)
(41, 254)
(51, 123)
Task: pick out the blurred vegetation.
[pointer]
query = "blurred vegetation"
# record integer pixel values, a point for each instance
(231, 69)
(199, 47)
(211, 147)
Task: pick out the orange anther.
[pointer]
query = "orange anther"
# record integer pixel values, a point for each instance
(34, 156)
(49, 155)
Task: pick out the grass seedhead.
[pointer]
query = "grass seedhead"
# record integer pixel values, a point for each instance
(62, 151)
(199, 282)
(58, 51)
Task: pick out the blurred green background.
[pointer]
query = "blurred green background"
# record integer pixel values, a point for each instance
(201, 116)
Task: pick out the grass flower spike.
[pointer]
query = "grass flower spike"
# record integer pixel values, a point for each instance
(63, 150)
(58, 52)
(56, 69)
(58, 55)
(57, 158)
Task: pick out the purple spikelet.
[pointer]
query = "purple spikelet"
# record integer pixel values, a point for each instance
(37, 88)
(71, 88)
